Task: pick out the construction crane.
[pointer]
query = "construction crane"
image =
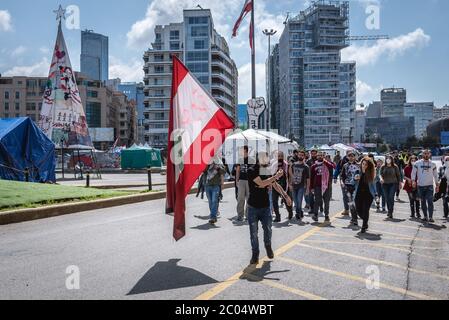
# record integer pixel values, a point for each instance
(368, 38)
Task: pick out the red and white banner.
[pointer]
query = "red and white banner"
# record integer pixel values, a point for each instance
(247, 8)
(197, 129)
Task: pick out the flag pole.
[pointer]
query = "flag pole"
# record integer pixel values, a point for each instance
(253, 53)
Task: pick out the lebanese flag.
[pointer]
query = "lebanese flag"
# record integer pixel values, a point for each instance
(198, 127)
(247, 8)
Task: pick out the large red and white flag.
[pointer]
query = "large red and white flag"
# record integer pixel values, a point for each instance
(197, 129)
(247, 8)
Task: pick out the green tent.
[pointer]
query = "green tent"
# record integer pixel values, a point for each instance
(141, 158)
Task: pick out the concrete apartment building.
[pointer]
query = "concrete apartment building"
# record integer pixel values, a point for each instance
(393, 100)
(440, 113)
(317, 90)
(207, 56)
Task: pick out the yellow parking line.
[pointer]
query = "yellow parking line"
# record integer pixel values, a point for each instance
(385, 246)
(358, 279)
(401, 236)
(371, 244)
(376, 261)
(396, 225)
(282, 287)
(328, 234)
(209, 294)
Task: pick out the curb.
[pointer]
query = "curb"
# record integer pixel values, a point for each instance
(22, 215)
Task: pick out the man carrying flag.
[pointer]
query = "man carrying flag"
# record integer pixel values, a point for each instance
(197, 129)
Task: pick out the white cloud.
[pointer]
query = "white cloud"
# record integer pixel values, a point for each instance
(245, 82)
(392, 48)
(367, 93)
(5, 21)
(224, 14)
(44, 50)
(18, 51)
(127, 72)
(39, 69)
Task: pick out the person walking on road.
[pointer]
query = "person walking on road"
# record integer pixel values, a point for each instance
(349, 172)
(320, 185)
(411, 191)
(214, 173)
(391, 180)
(259, 181)
(365, 190)
(444, 179)
(310, 162)
(424, 175)
(241, 179)
(380, 196)
(299, 174)
(281, 164)
(337, 173)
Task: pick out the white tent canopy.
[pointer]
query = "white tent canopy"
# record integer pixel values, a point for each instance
(257, 141)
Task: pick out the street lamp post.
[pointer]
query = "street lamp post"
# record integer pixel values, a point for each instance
(269, 33)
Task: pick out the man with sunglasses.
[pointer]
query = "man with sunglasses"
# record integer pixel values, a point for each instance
(424, 175)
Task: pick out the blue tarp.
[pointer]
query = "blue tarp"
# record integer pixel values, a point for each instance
(23, 145)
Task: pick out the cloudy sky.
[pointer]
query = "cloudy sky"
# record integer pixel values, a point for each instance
(415, 57)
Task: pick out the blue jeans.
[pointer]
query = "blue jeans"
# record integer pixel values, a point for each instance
(212, 193)
(345, 198)
(380, 193)
(298, 195)
(389, 192)
(426, 195)
(264, 216)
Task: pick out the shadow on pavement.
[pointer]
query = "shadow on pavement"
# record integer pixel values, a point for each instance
(369, 236)
(253, 274)
(279, 225)
(434, 226)
(202, 217)
(168, 275)
(206, 226)
(395, 220)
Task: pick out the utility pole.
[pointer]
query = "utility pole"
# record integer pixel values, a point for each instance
(269, 33)
(253, 53)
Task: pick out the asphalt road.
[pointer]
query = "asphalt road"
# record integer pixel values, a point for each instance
(128, 253)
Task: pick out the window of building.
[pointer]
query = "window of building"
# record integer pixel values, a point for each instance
(6, 115)
(199, 44)
(17, 106)
(93, 114)
(6, 94)
(40, 106)
(174, 46)
(159, 69)
(200, 31)
(158, 36)
(174, 35)
(198, 20)
(17, 95)
(92, 94)
(31, 106)
(6, 106)
(158, 57)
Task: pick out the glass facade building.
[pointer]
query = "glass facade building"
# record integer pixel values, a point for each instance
(95, 55)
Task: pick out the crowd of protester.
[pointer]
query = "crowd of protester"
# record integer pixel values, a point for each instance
(304, 183)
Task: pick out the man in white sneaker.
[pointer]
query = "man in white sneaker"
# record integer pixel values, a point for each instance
(424, 175)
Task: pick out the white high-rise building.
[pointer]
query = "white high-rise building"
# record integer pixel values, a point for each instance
(422, 112)
(205, 53)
